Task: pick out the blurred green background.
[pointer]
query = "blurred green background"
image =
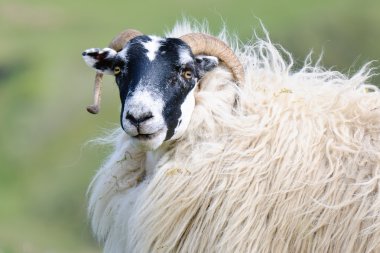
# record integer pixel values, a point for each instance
(45, 164)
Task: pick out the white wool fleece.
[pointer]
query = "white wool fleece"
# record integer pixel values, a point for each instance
(287, 162)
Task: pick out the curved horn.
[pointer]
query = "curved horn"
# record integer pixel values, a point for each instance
(205, 44)
(117, 44)
(122, 39)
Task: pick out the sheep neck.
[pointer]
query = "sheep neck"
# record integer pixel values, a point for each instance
(153, 157)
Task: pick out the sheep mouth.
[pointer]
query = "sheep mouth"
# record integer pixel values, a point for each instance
(147, 136)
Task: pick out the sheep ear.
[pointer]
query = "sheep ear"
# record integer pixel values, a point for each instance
(205, 63)
(100, 59)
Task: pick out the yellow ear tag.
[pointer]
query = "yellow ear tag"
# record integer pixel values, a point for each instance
(116, 70)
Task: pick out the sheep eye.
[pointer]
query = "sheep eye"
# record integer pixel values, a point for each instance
(116, 70)
(187, 74)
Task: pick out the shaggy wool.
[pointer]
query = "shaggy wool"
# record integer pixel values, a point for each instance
(288, 161)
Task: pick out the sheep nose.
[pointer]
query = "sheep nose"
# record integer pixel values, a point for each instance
(136, 120)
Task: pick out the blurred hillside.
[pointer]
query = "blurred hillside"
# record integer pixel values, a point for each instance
(45, 166)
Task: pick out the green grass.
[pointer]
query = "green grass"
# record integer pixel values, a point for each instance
(45, 167)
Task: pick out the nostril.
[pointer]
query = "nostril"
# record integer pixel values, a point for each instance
(138, 120)
(132, 119)
(145, 117)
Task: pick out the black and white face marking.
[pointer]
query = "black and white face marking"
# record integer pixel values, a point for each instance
(156, 79)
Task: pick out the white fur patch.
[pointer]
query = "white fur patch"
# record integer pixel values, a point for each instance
(187, 108)
(152, 47)
(143, 102)
(184, 56)
(90, 61)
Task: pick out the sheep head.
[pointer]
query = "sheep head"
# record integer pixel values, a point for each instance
(156, 79)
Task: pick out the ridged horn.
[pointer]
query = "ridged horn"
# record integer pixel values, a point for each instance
(117, 44)
(205, 44)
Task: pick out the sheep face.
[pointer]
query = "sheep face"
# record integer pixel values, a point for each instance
(156, 79)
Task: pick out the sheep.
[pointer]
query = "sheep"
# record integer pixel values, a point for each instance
(274, 160)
